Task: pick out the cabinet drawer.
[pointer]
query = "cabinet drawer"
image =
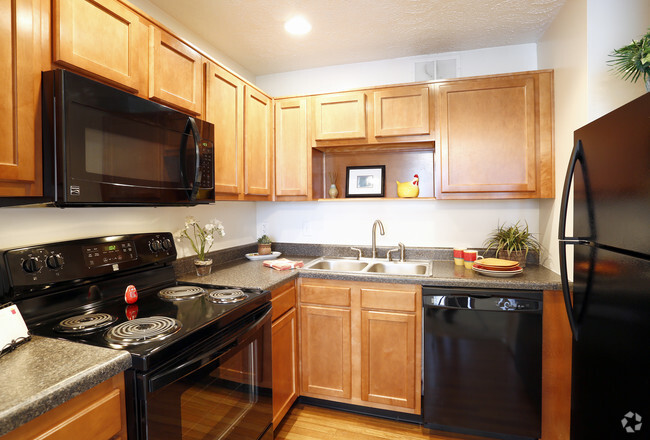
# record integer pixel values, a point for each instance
(326, 295)
(282, 299)
(393, 300)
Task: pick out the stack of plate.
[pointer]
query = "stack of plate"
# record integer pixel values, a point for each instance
(496, 267)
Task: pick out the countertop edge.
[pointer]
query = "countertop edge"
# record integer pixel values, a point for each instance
(49, 398)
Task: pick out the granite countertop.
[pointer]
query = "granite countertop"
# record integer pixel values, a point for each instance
(44, 373)
(244, 273)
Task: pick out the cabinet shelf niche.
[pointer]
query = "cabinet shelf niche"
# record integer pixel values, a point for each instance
(401, 165)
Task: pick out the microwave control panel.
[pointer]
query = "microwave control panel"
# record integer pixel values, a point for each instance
(206, 164)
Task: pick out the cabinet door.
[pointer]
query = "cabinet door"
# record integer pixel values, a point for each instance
(325, 351)
(401, 111)
(224, 107)
(285, 364)
(101, 37)
(258, 147)
(488, 136)
(19, 98)
(388, 347)
(175, 72)
(292, 158)
(340, 116)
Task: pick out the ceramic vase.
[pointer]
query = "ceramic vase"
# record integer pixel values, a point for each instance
(333, 191)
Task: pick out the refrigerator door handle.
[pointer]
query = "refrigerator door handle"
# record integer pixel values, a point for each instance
(576, 155)
(566, 291)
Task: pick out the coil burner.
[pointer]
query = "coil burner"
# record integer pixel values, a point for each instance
(226, 296)
(81, 324)
(142, 330)
(181, 293)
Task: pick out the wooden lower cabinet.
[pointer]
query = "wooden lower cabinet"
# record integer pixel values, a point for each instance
(326, 351)
(388, 358)
(360, 343)
(284, 331)
(97, 414)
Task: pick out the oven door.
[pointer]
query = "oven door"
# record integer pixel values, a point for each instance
(218, 390)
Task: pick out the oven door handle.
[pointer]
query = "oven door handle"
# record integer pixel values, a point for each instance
(169, 376)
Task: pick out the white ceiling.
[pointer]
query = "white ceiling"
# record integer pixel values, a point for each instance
(251, 32)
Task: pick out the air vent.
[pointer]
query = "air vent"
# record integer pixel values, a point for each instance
(444, 68)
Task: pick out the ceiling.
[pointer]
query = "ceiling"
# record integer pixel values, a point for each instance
(251, 32)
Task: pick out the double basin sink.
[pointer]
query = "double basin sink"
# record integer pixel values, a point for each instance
(372, 266)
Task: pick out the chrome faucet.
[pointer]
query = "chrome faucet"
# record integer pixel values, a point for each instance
(374, 236)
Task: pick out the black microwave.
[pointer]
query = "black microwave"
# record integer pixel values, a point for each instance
(103, 146)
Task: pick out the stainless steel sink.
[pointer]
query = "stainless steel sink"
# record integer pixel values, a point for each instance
(370, 265)
(402, 268)
(337, 265)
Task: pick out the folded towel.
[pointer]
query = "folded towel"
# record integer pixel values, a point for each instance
(283, 264)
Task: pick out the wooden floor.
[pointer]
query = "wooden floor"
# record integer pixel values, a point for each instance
(305, 422)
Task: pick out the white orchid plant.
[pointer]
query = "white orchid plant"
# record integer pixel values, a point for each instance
(201, 238)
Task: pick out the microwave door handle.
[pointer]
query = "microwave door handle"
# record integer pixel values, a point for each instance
(191, 126)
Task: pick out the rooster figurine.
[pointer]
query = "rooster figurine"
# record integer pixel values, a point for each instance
(409, 189)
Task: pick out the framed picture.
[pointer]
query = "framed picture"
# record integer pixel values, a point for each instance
(368, 181)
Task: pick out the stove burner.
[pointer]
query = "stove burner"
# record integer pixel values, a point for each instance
(226, 296)
(85, 323)
(180, 293)
(142, 330)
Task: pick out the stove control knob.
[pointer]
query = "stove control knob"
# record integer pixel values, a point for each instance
(166, 244)
(54, 261)
(31, 265)
(155, 245)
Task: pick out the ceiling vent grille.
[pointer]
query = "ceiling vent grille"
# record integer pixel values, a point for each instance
(443, 68)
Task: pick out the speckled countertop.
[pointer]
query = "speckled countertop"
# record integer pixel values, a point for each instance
(44, 373)
(244, 273)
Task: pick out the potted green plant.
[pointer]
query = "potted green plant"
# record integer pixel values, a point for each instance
(633, 60)
(264, 245)
(512, 242)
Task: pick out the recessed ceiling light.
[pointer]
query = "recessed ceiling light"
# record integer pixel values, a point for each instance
(297, 25)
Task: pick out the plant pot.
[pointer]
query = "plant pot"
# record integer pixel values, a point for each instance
(203, 267)
(264, 249)
(518, 256)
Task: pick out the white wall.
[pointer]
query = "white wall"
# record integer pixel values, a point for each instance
(415, 223)
(611, 26)
(445, 223)
(395, 71)
(577, 46)
(27, 226)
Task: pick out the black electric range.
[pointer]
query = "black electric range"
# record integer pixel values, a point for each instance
(121, 292)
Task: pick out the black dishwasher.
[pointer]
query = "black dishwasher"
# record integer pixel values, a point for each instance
(483, 361)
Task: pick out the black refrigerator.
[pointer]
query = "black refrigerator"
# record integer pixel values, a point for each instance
(610, 311)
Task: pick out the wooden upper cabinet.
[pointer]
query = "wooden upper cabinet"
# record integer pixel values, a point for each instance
(19, 98)
(401, 111)
(258, 143)
(496, 137)
(175, 72)
(340, 116)
(224, 107)
(102, 38)
(292, 149)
